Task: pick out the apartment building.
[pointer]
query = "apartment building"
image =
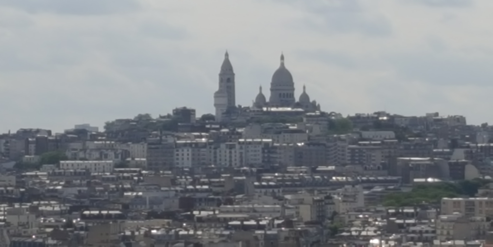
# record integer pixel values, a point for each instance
(469, 207)
(225, 154)
(254, 151)
(94, 166)
(457, 226)
(191, 153)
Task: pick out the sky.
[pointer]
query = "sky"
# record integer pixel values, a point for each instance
(70, 62)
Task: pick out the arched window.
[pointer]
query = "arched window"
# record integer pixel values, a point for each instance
(228, 80)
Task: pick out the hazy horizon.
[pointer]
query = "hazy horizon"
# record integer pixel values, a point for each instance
(65, 63)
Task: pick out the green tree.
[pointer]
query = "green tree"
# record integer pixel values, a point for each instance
(143, 117)
(335, 228)
(207, 118)
(52, 158)
(470, 187)
(433, 193)
(26, 166)
(340, 126)
(170, 124)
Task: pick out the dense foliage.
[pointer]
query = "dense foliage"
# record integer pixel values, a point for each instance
(340, 126)
(52, 158)
(433, 193)
(19, 165)
(207, 118)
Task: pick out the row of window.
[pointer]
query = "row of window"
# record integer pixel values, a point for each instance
(286, 95)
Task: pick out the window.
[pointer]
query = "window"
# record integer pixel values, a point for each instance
(228, 80)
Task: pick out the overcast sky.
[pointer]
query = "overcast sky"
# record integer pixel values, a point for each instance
(69, 62)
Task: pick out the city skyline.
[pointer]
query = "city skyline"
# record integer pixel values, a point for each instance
(62, 65)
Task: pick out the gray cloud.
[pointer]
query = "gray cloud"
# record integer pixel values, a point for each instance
(157, 29)
(333, 6)
(341, 16)
(58, 70)
(376, 25)
(444, 3)
(329, 57)
(438, 68)
(86, 7)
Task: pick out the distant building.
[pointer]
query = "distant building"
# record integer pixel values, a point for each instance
(282, 94)
(95, 166)
(86, 127)
(186, 115)
(224, 97)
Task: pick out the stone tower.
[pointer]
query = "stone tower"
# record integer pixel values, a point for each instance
(224, 97)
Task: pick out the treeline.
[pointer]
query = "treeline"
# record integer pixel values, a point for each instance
(52, 158)
(433, 193)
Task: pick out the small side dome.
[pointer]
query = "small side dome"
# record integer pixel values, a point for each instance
(260, 100)
(304, 98)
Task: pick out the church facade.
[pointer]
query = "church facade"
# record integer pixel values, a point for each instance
(282, 91)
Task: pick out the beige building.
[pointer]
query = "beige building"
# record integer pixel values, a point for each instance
(469, 207)
(349, 199)
(104, 235)
(459, 227)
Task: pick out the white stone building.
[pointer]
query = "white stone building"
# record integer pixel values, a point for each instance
(136, 150)
(282, 92)
(97, 154)
(191, 153)
(349, 199)
(94, 166)
(225, 154)
(377, 135)
(252, 151)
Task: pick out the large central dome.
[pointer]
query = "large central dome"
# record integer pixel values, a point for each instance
(282, 76)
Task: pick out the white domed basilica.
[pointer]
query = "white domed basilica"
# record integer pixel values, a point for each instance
(282, 92)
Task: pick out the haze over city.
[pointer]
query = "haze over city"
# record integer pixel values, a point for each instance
(68, 62)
